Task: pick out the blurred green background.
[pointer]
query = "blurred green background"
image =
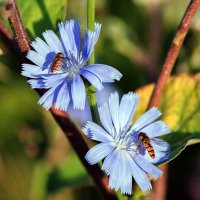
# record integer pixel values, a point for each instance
(36, 160)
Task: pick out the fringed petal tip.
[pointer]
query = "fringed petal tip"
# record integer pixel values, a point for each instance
(100, 88)
(97, 25)
(31, 55)
(44, 105)
(166, 129)
(24, 68)
(113, 187)
(84, 129)
(61, 25)
(105, 73)
(123, 191)
(97, 29)
(157, 176)
(114, 95)
(75, 21)
(133, 96)
(148, 188)
(71, 21)
(40, 47)
(60, 108)
(47, 99)
(106, 171)
(25, 73)
(157, 173)
(102, 107)
(88, 159)
(78, 107)
(116, 75)
(87, 125)
(33, 83)
(28, 54)
(156, 110)
(87, 131)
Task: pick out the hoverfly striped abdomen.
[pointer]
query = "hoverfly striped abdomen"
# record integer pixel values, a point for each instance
(57, 61)
(145, 140)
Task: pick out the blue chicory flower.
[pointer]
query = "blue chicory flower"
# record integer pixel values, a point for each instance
(64, 83)
(123, 152)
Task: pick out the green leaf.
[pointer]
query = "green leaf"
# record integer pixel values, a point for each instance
(40, 15)
(180, 106)
(69, 174)
(37, 16)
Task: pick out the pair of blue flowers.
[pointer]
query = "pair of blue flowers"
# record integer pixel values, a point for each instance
(123, 154)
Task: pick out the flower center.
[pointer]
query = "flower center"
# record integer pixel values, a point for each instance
(121, 146)
(70, 67)
(128, 144)
(64, 64)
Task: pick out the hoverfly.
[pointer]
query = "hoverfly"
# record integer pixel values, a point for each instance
(145, 140)
(57, 61)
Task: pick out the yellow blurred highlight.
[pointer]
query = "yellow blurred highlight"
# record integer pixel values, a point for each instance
(180, 103)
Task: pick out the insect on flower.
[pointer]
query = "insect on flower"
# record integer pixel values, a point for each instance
(57, 61)
(121, 148)
(146, 143)
(60, 64)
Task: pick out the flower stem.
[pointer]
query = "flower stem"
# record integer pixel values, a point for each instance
(70, 130)
(20, 33)
(90, 22)
(91, 92)
(160, 185)
(92, 99)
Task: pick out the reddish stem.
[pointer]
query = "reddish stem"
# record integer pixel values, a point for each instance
(74, 136)
(69, 128)
(173, 52)
(160, 186)
(19, 31)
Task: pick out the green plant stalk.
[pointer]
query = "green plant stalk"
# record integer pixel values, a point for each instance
(91, 92)
(90, 22)
(92, 99)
